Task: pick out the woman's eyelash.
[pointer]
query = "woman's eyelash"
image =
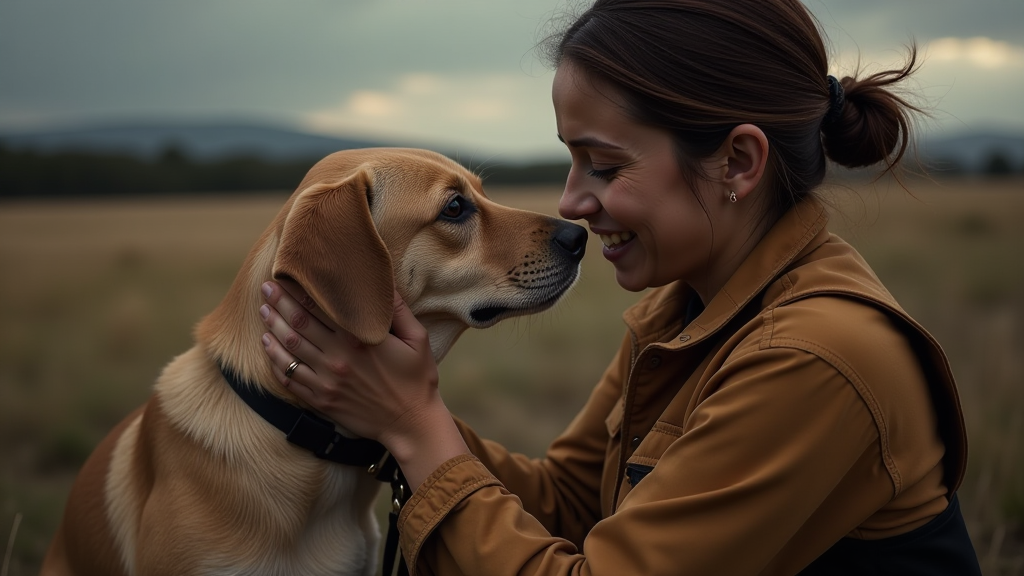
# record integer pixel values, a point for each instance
(605, 174)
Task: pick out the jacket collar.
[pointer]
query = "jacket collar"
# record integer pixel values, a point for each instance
(658, 315)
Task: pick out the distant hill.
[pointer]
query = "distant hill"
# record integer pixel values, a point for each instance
(976, 152)
(198, 141)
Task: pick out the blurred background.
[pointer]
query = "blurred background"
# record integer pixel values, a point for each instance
(144, 146)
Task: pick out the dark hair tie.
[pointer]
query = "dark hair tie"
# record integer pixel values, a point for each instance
(836, 97)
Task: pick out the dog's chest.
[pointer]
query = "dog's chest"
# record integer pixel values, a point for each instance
(277, 508)
(337, 535)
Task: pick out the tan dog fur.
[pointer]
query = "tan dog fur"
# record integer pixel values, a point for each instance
(194, 482)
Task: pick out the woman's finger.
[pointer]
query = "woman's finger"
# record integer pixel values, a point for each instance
(281, 360)
(290, 339)
(299, 294)
(404, 325)
(294, 314)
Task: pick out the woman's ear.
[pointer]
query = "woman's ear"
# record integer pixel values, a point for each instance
(745, 155)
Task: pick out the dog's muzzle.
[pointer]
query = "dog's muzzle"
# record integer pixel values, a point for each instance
(540, 288)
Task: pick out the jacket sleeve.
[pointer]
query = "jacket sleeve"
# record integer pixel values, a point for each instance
(562, 490)
(758, 457)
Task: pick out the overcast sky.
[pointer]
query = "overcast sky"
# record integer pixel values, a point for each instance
(459, 73)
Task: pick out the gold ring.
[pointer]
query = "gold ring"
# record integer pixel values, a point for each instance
(291, 368)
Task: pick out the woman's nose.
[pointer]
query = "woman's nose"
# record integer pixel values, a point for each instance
(577, 201)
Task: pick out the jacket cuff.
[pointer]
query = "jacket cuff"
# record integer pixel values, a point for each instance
(449, 485)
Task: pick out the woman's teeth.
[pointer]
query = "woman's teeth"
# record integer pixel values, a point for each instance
(616, 239)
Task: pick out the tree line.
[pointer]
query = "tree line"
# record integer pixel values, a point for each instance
(34, 174)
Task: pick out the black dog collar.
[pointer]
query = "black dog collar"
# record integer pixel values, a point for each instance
(307, 430)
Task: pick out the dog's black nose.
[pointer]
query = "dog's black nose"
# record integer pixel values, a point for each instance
(570, 239)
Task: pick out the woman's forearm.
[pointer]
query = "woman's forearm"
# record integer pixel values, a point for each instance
(424, 439)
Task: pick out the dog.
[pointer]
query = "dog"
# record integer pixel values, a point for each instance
(195, 481)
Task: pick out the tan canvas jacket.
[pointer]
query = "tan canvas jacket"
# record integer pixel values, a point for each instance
(800, 407)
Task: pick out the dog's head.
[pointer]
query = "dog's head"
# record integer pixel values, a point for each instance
(365, 222)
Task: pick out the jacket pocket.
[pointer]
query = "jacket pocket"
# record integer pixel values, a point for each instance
(657, 441)
(636, 472)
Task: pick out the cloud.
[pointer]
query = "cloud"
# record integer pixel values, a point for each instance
(973, 83)
(509, 112)
(980, 51)
(887, 23)
(965, 83)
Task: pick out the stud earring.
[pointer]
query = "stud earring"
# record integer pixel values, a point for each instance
(732, 195)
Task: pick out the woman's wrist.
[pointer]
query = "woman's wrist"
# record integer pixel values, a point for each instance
(427, 439)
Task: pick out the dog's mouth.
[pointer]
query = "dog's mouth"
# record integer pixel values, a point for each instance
(488, 314)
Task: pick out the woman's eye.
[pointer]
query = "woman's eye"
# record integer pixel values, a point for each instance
(605, 174)
(454, 208)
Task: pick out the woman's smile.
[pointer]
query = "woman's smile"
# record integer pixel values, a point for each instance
(617, 245)
(616, 240)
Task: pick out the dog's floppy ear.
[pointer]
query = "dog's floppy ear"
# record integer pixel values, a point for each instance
(329, 245)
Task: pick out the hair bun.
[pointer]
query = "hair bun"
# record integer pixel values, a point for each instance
(874, 123)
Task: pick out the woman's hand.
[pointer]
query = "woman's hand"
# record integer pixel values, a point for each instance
(387, 392)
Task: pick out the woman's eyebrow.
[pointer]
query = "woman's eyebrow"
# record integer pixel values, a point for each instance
(590, 142)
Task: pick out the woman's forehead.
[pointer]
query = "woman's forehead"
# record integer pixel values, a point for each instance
(584, 101)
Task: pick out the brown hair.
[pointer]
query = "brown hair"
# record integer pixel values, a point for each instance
(699, 68)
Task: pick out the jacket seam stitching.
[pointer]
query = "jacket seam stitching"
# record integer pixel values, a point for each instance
(443, 469)
(838, 290)
(768, 329)
(667, 428)
(643, 460)
(443, 511)
(863, 391)
(787, 285)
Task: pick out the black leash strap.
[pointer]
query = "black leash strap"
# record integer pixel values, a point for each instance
(307, 430)
(399, 496)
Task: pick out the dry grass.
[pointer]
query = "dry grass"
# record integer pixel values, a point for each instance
(97, 296)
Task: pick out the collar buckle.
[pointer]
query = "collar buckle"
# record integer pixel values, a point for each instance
(314, 434)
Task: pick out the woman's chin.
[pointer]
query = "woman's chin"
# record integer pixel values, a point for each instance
(629, 280)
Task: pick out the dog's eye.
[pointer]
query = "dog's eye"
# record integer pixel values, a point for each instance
(455, 208)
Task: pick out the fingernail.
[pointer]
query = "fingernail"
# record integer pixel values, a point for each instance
(267, 289)
(264, 311)
(266, 340)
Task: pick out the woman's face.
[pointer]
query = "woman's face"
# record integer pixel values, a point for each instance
(626, 183)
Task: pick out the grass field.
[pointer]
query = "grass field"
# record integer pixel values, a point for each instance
(95, 297)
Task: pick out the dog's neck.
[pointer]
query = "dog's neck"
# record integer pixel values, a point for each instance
(443, 331)
(231, 333)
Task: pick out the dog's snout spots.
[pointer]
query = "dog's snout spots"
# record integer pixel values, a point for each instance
(532, 271)
(551, 262)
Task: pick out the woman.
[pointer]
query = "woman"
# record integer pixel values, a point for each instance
(771, 410)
